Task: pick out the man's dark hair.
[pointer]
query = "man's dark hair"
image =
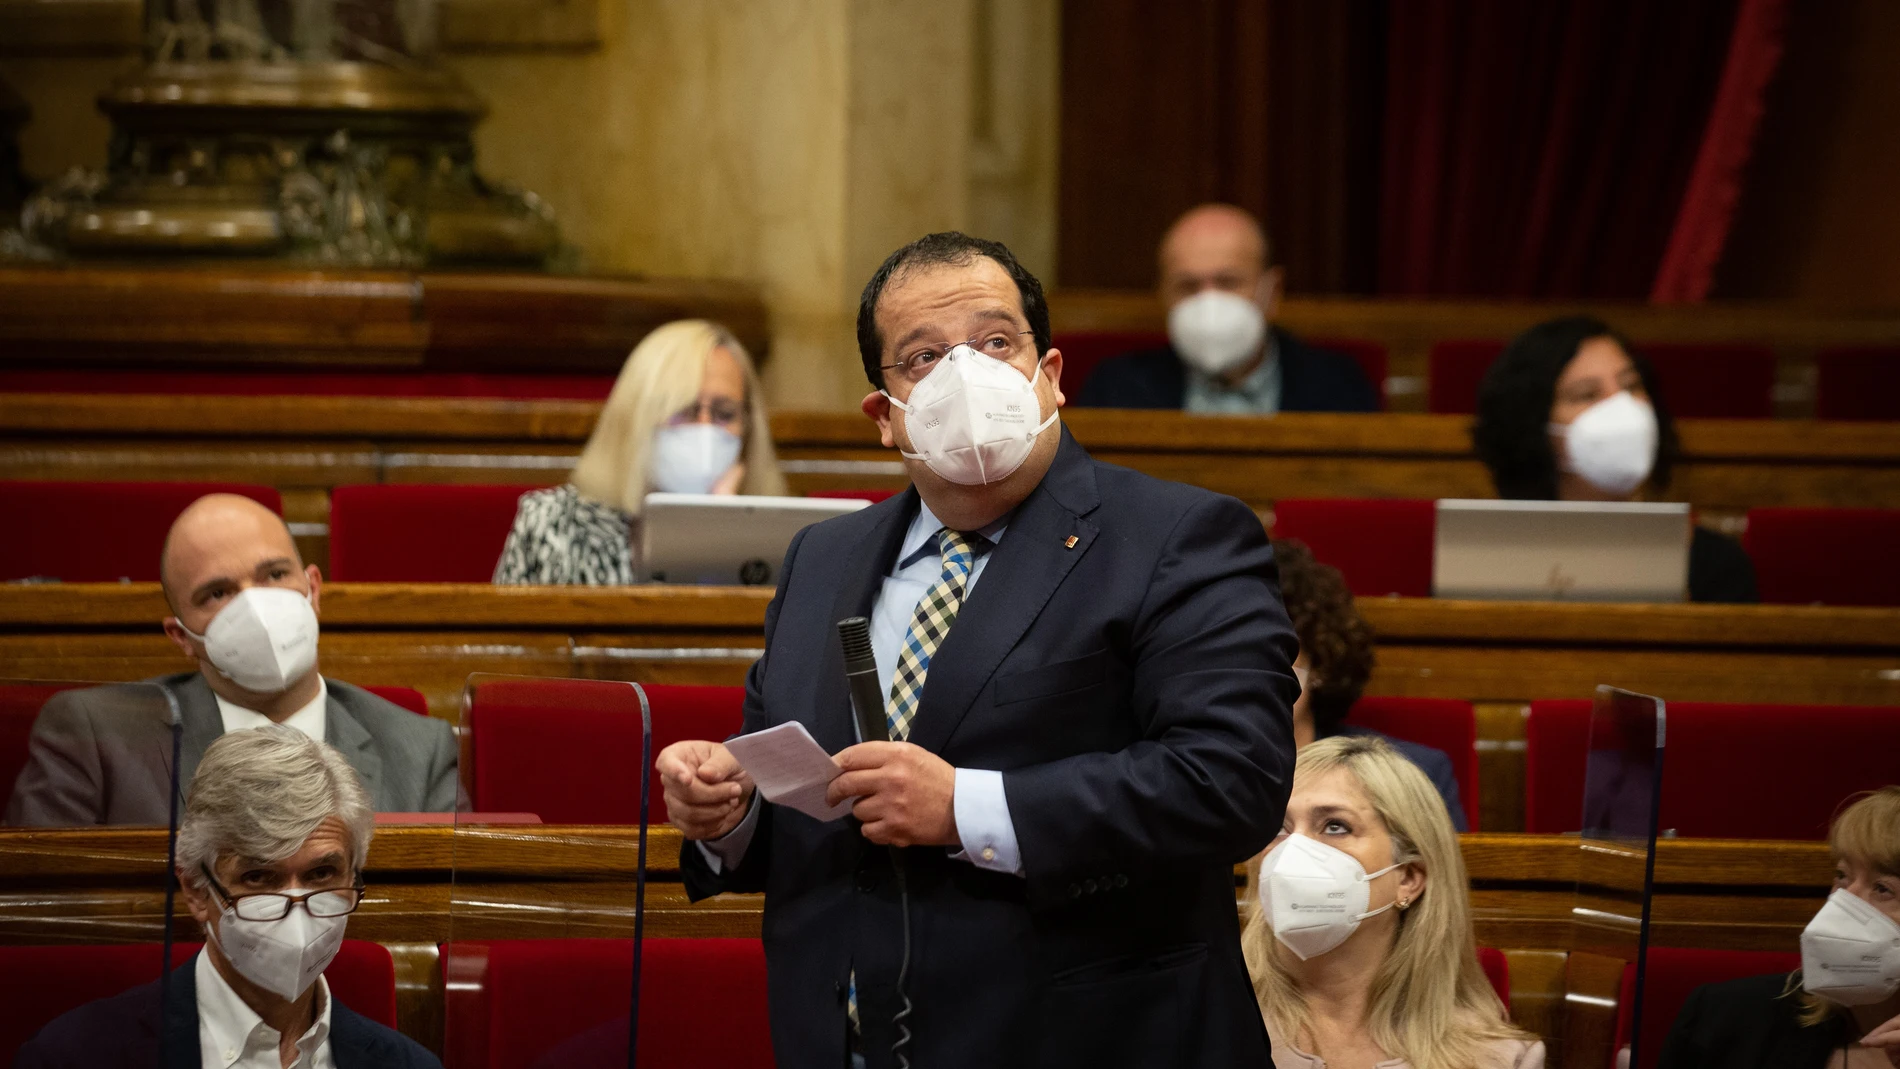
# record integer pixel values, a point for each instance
(950, 248)
(1512, 431)
(1337, 641)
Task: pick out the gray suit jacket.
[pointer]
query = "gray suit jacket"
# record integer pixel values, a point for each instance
(103, 755)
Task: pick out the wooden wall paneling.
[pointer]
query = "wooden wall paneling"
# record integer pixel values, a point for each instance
(1587, 1034)
(419, 992)
(1537, 988)
(1501, 765)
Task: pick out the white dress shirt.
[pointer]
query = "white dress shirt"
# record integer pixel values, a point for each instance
(232, 1036)
(981, 809)
(312, 719)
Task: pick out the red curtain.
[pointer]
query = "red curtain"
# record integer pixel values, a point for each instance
(1544, 149)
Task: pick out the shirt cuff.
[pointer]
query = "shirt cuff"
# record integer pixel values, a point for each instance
(983, 824)
(729, 849)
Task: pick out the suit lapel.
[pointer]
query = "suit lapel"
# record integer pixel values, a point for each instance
(1024, 571)
(198, 711)
(348, 735)
(865, 567)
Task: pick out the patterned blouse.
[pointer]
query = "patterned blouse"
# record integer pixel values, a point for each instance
(563, 538)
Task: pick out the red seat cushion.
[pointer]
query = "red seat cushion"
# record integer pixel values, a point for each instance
(1857, 383)
(1715, 380)
(1453, 370)
(408, 697)
(86, 532)
(1084, 350)
(1446, 724)
(39, 983)
(1369, 355)
(561, 748)
(1671, 975)
(1497, 969)
(1382, 547)
(19, 708)
(393, 533)
(512, 1003)
(312, 383)
(1833, 556)
(1817, 757)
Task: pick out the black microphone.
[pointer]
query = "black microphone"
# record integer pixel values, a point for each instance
(860, 673)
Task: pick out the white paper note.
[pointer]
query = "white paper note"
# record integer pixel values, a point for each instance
(789, 767)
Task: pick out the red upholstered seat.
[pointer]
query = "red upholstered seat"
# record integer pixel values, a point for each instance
(419, 533)
(511, 1004)
(1814, 756)
(1857, 383)
(1382, 547)
(1446, 724)
(1497, 969)
(19, 707)
(408, 697)
(1084, 350)
(1671, 975)
(873, 496)
(1699, 381)
(1453, 370)
(563, 748)
(38, 983)
(1833, 556)
(85, 532)
(312, 383)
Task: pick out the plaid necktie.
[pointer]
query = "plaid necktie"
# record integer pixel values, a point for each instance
(936, 611)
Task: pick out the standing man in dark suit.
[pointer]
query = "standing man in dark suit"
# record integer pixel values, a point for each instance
(245, 608)
(1090, 672)
(1224, 357)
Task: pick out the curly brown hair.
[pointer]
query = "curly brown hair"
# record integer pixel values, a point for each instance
(1336, 639)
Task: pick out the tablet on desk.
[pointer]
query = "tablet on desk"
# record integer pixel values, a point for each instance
(1561, 550)
(727, 539)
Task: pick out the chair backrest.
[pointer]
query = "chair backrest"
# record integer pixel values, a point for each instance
(419, 533)
(408, 697)
(98, 532)
(39, 983)
(515, 1003)
(1497, 969)
(1833, 556)
(1084, 350)
(1857, 382)
(1453, 370)
(1446, 724)
(1809, 759)
(19, 708)
(1671, 975)
(560, 748)
(1369, 355)
(1700, 381)
(1381, 546)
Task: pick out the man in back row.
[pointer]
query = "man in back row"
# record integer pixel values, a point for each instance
(245, 609)
(1223, 356)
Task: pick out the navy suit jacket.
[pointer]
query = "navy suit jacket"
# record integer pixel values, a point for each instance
(1126, 664)
(128, 1031)
(1311, 380)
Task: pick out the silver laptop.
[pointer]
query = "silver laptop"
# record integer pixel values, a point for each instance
(726, 539)
(1561, 550)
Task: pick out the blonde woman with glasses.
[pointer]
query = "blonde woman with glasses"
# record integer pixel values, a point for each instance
(1360, 944)
(685, 416)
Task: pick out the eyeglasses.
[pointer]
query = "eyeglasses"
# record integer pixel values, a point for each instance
(717, 410)
(271, 906)
(1000, 345)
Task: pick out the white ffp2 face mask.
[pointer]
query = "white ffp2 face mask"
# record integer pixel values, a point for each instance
(1315, 895)
(1850, 952)
(690, 458)
(1216, 331)
(1611, 444)
(973, 419)
(283, 956)
(264, 640)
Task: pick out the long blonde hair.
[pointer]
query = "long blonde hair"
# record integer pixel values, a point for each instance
(1869, 832)
(662, 376)
(1431, 1003)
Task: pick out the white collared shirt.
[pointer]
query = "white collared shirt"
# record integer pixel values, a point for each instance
(312, 719)
(232, 1036)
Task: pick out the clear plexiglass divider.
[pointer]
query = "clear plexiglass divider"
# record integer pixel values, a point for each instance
(90, 955)
(549, 873)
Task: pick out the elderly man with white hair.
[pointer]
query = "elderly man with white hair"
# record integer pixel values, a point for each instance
(270, 855)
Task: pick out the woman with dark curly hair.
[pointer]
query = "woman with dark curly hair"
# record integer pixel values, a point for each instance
(1570, 412)
(1336, 660)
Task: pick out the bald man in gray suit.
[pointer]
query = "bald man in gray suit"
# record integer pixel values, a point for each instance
(103, 755)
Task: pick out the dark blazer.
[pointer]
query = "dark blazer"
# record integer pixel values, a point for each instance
(1720, 569)
(124, 1032)
(103, 755)
(1746, 1024)
(1311, 380)
(1126, 663)
(1435, 763)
